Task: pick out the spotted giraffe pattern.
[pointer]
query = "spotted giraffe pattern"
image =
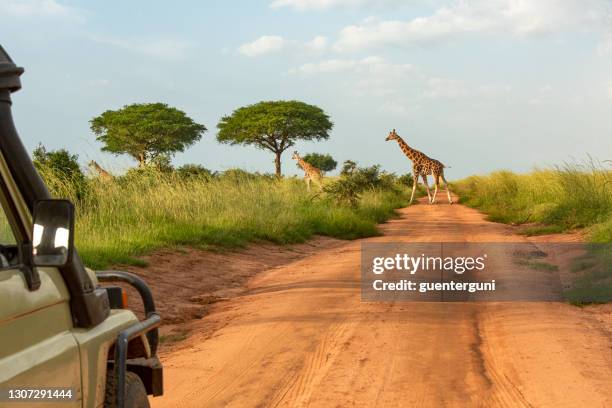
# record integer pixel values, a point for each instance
(422, 166)
(311, 173)
(103, 174)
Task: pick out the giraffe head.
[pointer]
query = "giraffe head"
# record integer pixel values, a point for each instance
(392, 135)
(295, 156)
(92, 163)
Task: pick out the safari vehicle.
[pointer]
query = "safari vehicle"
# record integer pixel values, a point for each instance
(64, 339)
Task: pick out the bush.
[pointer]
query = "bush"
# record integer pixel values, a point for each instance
(239, 175)
(406, 179)
(323, 162)
(61, 172)
(195, 171)
(348, 167)
(348, 187)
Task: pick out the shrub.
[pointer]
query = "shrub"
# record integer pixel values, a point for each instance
(238, 175)
(61, 172)
(323, 162)
(191, 171)
(348, 167)
(406, 179)
(349, 186)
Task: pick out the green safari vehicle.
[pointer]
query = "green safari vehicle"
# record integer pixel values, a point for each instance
(65, 340)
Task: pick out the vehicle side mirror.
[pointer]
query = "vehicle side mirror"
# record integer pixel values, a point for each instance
(53, 234)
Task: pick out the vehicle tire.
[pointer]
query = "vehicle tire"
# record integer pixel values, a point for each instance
(135, 391)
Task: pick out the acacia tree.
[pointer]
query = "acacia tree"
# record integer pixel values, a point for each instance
(147, 132)
(274, 126)
(323, 162)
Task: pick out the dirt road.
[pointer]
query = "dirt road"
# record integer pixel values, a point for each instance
(300, 336)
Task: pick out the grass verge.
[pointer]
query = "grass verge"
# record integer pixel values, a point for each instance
(117, 220)
(556, 200)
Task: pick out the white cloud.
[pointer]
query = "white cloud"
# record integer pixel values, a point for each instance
(516, 17)
(265, 44)
(370, 76)
(332, 65)
(372, 64)
(167, 49)
(395, 107)
(605, 46)
(319, 43)
(39, 9)
(610, 90)
(397, 86)
(303, 5)
(445, 88)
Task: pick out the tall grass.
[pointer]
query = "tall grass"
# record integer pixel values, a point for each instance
(562, 198)
(128, 216)
(559, 199)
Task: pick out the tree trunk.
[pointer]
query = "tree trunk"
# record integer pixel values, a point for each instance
(277, 164)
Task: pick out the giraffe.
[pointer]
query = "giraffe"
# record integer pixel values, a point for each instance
(310, 172)
(422, 165)
(103, 174)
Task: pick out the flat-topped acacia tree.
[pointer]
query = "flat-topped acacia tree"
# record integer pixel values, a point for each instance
(274, 126)
(148, 132)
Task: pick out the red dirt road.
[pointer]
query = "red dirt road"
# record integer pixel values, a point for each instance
(300, 336)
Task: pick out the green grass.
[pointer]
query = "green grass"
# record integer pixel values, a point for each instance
(538, 265)
(556, 200)
(593, 283)
(121, 219)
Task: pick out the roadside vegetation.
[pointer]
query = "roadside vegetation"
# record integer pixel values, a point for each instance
(554, 200)
(121, 218)
(568, 197)
(155, 205)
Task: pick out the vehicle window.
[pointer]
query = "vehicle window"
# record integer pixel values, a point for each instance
(9, 253)
(6, 233)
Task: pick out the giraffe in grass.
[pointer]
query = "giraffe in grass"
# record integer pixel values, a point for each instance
(311, 173)
(422, 166)
(103, 174)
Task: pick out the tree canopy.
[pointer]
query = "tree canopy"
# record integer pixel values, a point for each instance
(146, 131)
(274, 126)
(323, 162)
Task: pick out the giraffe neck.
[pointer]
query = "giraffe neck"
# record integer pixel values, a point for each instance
(411, 153)
(99, 168)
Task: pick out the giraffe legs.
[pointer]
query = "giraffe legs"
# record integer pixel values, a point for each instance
(436, 182)
(307, 179)
(415, 179)
(450, 200)
(424, 176)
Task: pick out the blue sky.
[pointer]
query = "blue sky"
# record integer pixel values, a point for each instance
(478, 84)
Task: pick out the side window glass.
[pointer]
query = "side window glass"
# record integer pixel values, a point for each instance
(7, 238)
(9, 254)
